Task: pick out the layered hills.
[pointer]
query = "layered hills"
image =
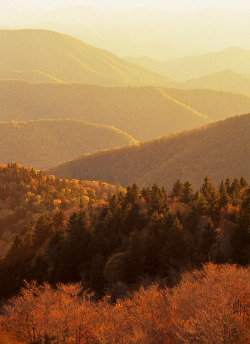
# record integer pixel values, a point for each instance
(143, 112)
(140, 31)
(44, 143)
(219, 150)
(226, 80)
(197, 66)
(68, 59)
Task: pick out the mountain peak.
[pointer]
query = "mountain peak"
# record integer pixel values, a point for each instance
(69, 59)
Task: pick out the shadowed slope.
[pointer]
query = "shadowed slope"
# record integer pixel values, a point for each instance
(44, 143)
(219, 150)
(68, 59)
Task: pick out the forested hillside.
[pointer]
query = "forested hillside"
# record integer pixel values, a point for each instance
(27, 194)
(142, 112)
(220, 150)
(131, 235)
(44, 143)
(124, 182)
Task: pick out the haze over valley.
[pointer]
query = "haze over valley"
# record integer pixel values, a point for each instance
(124, 171)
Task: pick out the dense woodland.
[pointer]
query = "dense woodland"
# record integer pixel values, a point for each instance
(143, 241)
(27, 194)
(130, 236)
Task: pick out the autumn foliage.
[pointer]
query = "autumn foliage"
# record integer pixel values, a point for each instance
(210, 305)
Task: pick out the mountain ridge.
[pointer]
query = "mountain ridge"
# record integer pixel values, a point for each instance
(226, 80)
(42, 143)
(142, 112)
(219, 150)
(197, 66)
(69, 59)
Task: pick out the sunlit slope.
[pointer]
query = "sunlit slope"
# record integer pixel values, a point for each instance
(216, 105)
(197, 66)
(28, 75)
(44, 143)
(142, 112)
(69, 59)
(226, 80)
(219, 150)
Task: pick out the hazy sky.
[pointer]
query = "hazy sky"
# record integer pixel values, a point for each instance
(172, 5)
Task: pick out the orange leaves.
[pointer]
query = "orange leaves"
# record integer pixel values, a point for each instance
(208, 306)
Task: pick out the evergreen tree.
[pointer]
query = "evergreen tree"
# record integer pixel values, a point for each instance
(132, 194)
(96, 278)
(76, 246)
(42, 231)
(235, 190)
(174, 251)
(209, 238)
(224, 198)
(58, 221)
(228, 185)
(243, 182)
(187, 193)
(158, 200)
(152, 244)
(133, 258)
(177, 189)
(240, 238)
(208, 190)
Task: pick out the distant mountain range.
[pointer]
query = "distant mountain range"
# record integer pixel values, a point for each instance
(219, 150)
(143, 112)
(226, 80)
(44, 143)
(30, 54)
(159, 34)
(197, 66)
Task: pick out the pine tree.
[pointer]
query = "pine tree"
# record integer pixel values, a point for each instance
(224, 198)
(209, 238)
(76, 246)
(132, 194)
(96, 278)
(42, 231)
(133, 258)
(152, 244)
(208, 190)
(243, 182)
(235, 190)
(240, 238)
(177, 189)
(158, 200)
(174, 251)
(187, 193)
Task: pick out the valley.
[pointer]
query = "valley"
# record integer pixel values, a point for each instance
(124, 172)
